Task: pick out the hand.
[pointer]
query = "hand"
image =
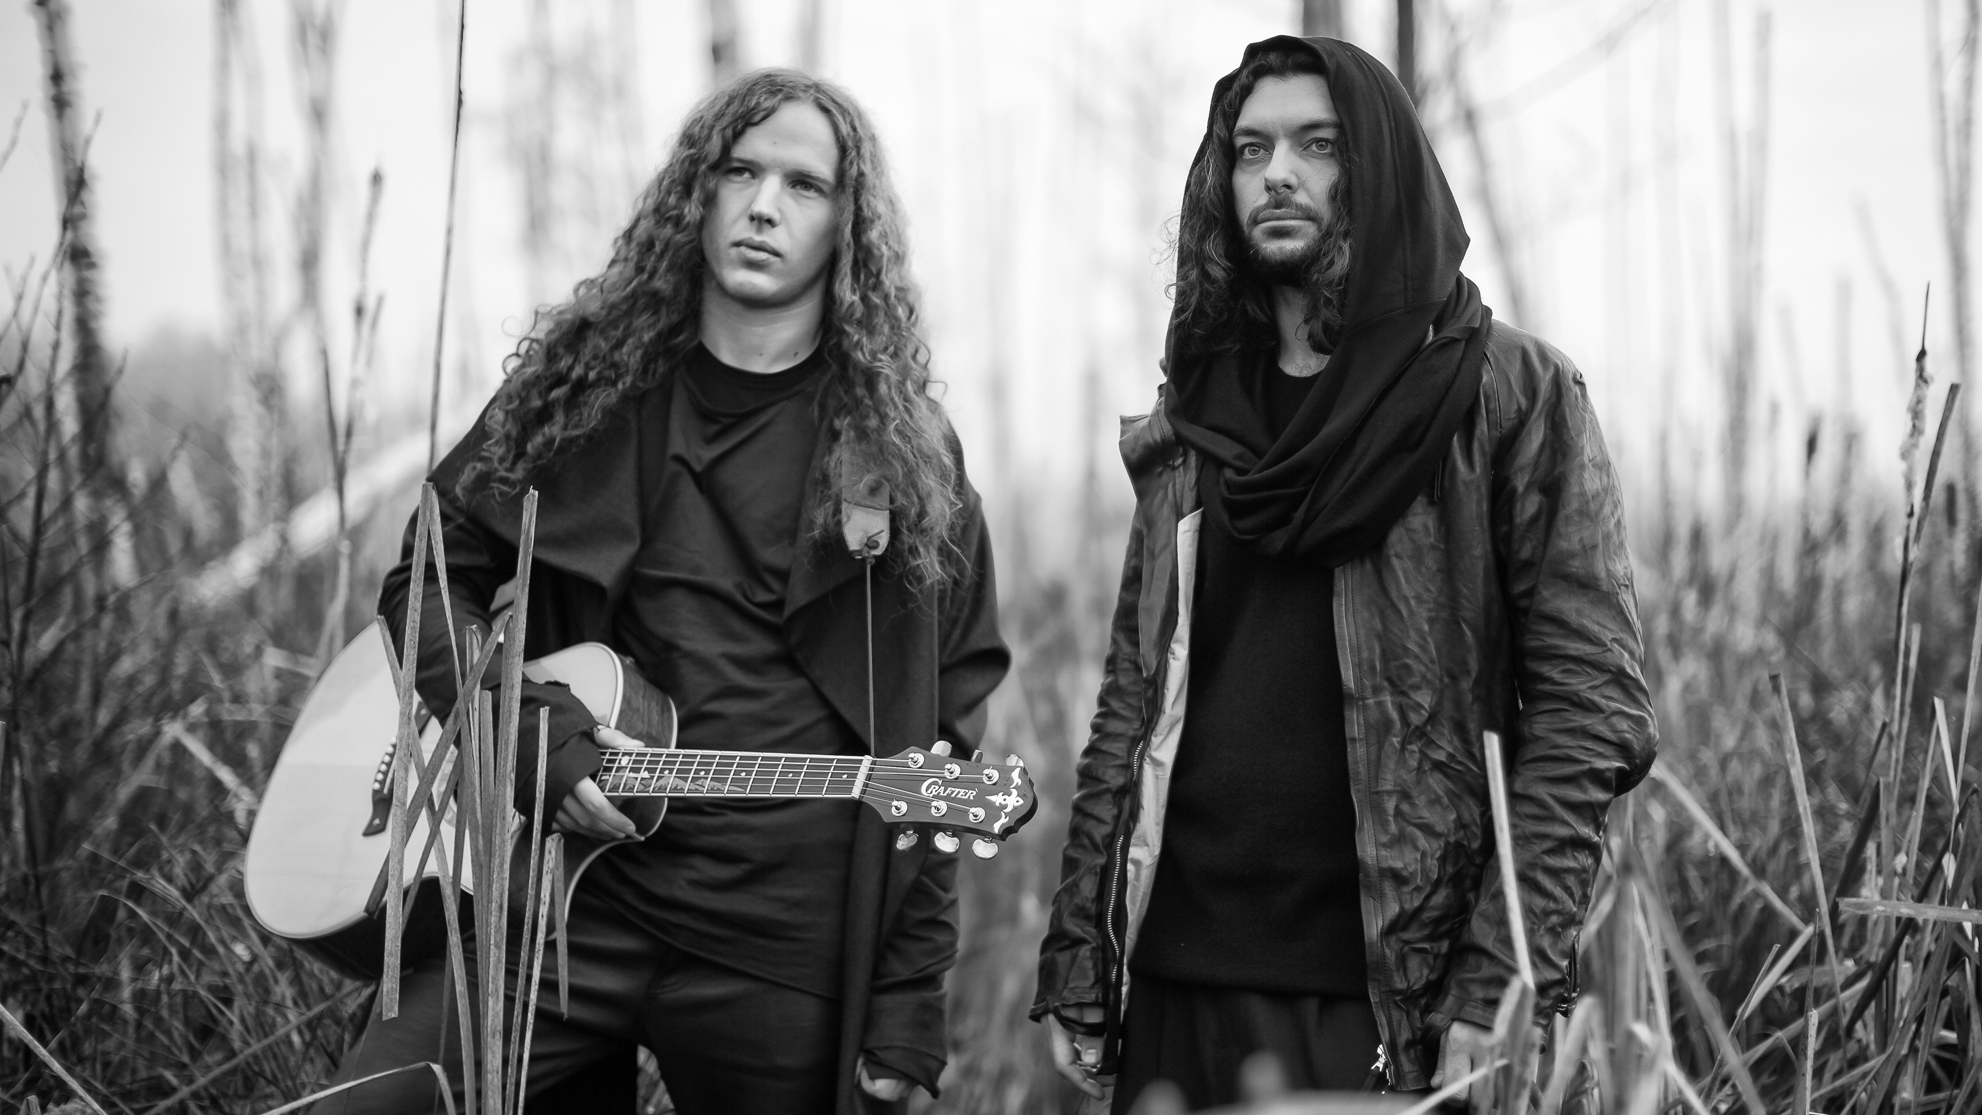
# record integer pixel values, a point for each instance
(1467, 1047)
(586, 811)
(1077, 1056)
(887, 1089)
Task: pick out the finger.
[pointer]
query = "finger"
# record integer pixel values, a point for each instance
(1455, 1065)
(571, 819)
(1066, 1058)
(608, 819)
(572, 816)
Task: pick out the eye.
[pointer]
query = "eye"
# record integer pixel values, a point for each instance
(808, 187)
(1322, 145)
(1250, 150)
(737, 172)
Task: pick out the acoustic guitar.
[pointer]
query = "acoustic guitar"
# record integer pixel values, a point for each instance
(316, 864)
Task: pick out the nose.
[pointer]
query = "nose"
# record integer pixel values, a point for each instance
(1281, 177)
(764, 203)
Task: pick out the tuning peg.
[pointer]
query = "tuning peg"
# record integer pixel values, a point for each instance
(983, 847)
(1014, 761)
(977, 756)
(941, 747)
(945, 842)
(905, 839)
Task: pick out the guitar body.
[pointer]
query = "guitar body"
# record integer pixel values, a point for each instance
(315, 865)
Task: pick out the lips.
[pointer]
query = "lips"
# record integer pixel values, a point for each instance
(1288, 212)
(753, 244)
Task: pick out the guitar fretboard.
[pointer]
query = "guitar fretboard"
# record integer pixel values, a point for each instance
(642, 772)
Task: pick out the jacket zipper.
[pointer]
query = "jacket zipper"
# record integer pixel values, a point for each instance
(1121, 862)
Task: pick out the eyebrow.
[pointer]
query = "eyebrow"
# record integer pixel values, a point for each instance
(824, 178)
(1317, 125)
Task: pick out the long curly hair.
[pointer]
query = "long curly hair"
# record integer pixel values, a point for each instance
(623, 327)
(1220, 306)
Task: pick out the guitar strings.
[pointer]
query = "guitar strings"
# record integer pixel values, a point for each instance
(623, 760)
(742, 784)
(690, 778)
(745, 782)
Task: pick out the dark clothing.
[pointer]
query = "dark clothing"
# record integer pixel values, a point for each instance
(1501, 601)
(937, 657)
(1256, 886)
(760, 884)
(722, 391)
(726, 1041)
(1196, 1037)
(1405, 369)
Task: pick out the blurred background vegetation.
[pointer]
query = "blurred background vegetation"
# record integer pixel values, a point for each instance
(223, 344)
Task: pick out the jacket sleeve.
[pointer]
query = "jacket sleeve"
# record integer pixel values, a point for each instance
(478, 562)
(1072, 957)
(905, 1017)
(1585, 732)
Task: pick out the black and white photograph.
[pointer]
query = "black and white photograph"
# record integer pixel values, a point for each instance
(990, 557)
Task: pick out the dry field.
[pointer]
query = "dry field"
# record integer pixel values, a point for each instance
(140, 722)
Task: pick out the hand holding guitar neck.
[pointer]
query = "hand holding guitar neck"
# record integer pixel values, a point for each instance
(587, 811)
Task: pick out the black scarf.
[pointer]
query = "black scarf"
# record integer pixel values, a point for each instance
(1374, 431)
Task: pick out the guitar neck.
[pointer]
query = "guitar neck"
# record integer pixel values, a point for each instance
(670, 773)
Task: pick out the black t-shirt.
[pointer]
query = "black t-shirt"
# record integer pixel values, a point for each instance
(758, 885)
(1256, 885)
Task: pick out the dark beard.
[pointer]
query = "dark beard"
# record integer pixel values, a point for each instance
(1320, 268)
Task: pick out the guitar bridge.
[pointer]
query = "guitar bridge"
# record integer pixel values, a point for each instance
(382, 778)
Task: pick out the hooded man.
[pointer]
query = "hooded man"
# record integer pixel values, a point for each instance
(1371, 525)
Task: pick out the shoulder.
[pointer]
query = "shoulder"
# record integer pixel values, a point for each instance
(1525, 374)
(1148, 441)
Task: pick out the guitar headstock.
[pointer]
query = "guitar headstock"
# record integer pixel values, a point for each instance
(932, 787)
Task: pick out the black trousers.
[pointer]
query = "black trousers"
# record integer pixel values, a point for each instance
(727, 1042)
(1196, 1036)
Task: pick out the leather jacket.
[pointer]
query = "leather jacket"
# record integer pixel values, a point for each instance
(1501, 601)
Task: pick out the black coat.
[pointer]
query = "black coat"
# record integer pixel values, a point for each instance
(937, 657)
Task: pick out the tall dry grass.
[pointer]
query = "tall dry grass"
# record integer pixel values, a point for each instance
(138, 731)
(140, 727)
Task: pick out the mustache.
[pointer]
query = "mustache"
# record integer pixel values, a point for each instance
(1271, 210)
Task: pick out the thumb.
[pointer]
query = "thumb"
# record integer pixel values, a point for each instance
(612, 737)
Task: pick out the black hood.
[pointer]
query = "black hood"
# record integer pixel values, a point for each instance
(1372, 434)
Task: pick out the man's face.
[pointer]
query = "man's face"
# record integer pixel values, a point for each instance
(768, 233)
(1285, 156)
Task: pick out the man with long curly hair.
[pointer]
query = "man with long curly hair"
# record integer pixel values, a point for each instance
(702, 421)
(1372, 525)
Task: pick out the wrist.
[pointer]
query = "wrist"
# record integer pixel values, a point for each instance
(1086, 1019)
